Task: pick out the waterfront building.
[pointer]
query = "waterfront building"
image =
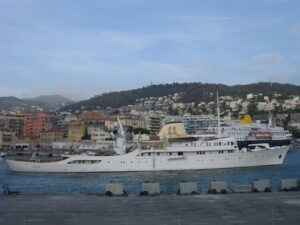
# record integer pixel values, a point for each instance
(13, 123)
(193, 123)
(38, 121)
(6, 138)
(62, 125)
(154, 125)
(76, 130)
(132, 121)
(97, 131)
(50, 136)
(21, 142)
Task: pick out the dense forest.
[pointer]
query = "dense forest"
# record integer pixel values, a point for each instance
(192, 92)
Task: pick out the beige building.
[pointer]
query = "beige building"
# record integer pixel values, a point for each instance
(264, 106)
(7, 138)
(141, 137)
(76, 130)
(133, 122)
(22, 143)
(48, 137)
(98, 131)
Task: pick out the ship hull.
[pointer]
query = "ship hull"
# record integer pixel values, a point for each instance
(132, 162)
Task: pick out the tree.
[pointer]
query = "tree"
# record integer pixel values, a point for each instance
(140, 130)
(130, 132)
(295, 132)
(86, 135)
(252, 109)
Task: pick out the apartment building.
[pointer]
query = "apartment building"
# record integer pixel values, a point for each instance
(50, 136)
(76, 130)
(13, 123)
(38, 121)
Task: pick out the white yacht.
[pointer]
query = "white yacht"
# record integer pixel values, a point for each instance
(182, 153)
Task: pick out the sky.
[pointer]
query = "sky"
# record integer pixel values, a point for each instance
(80, 48)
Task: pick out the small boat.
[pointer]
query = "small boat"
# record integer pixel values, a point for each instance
(2, 155)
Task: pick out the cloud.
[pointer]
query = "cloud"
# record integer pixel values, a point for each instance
(268, 59)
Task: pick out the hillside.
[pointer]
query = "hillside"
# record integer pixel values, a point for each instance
(45, 101)
(50, 101)
(12, 102)
(193, 92)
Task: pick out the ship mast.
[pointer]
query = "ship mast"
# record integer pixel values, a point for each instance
(218, 111)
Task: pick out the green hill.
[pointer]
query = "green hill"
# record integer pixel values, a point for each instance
(192, 92)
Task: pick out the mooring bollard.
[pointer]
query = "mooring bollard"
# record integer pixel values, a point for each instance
(218, 187)
(115, 189)
(150, 189)
(187, 188)
(261, 186)
(288, 185)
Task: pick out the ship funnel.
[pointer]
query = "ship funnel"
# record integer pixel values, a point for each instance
(245, 118)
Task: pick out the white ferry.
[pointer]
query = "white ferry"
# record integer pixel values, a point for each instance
(247, 132)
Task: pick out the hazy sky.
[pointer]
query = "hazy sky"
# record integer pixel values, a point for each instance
(81, 48)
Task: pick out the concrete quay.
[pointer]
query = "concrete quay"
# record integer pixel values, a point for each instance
(221, 209)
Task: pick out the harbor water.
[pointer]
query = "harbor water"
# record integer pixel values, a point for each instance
(94, 183)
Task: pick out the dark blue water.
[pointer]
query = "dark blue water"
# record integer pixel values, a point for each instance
(94, 183)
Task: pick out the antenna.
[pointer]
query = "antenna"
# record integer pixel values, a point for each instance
(218, 111)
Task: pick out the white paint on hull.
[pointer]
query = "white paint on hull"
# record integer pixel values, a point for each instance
(133, 162)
